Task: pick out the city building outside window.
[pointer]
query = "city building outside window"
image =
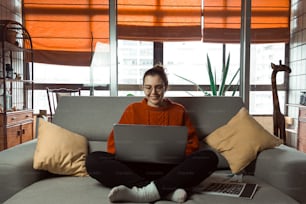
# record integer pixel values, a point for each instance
(181, 59)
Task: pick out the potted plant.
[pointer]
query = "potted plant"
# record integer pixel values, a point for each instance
(217, 90)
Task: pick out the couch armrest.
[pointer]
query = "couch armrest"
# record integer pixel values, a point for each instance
(284, 168)
(16, 169)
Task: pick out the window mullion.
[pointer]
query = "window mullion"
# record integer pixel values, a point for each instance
(158, 56)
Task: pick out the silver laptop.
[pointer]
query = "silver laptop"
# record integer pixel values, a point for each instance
(150, 143)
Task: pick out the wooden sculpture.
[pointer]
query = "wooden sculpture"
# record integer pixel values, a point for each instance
(278, 117)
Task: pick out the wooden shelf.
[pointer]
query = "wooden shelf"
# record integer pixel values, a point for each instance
(16, 99)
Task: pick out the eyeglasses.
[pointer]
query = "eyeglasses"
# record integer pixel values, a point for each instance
(157, 88)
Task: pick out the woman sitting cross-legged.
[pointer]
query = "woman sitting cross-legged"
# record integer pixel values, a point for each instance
(149, 182)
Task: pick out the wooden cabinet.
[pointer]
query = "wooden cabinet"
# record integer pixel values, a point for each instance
(16, 128)
(302, 129)
(16, 84)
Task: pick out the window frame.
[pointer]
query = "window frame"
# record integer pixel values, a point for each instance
(114, 87)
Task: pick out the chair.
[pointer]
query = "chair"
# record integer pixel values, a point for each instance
(54, 96)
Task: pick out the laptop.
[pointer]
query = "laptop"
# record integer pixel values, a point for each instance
(150, 143)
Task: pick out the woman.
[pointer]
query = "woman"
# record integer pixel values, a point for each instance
(148, 182)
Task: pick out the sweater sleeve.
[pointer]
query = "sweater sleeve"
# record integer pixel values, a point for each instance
(193, 140)
(125, 119)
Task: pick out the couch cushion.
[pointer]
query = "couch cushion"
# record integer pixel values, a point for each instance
(60, 151)
(97, 146)
(241, 139)
(17, 172)
(266, 194)
(97, 114)
(80, 190)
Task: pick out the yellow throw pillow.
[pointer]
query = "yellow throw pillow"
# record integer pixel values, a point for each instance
(59, 150)
(240, 140)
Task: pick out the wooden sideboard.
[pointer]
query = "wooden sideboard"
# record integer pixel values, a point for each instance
(16, 84)
(16, 127)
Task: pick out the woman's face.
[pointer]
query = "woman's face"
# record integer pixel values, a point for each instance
(154, 90)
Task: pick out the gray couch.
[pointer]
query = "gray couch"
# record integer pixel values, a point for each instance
(280, 172)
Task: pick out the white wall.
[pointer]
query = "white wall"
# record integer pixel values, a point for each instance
(297, 78)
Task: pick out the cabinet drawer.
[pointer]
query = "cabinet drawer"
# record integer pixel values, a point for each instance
(13, 136)
(18, 117)
(20, 133)
(27, 132)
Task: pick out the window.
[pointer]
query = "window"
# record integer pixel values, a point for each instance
(185, 59)
(262, 55)
(163, 21)
(188, 60)
(134, 57)
(60, 74)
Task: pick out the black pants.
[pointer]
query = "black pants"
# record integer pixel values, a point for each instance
(110, 172)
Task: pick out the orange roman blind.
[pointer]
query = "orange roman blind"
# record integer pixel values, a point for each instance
(269, 21)
(65, 31)
(159, 20)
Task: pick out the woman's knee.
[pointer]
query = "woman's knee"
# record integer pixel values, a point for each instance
(95, 159)
(213, 158)
(207, 157)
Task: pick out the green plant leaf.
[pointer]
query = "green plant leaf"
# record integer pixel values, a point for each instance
(211, 78)
(236, 88)
(232, 80)
(224, 76)
(215, 89)
(198, 87)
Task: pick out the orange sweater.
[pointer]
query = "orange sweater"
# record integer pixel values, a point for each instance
(171, 114)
